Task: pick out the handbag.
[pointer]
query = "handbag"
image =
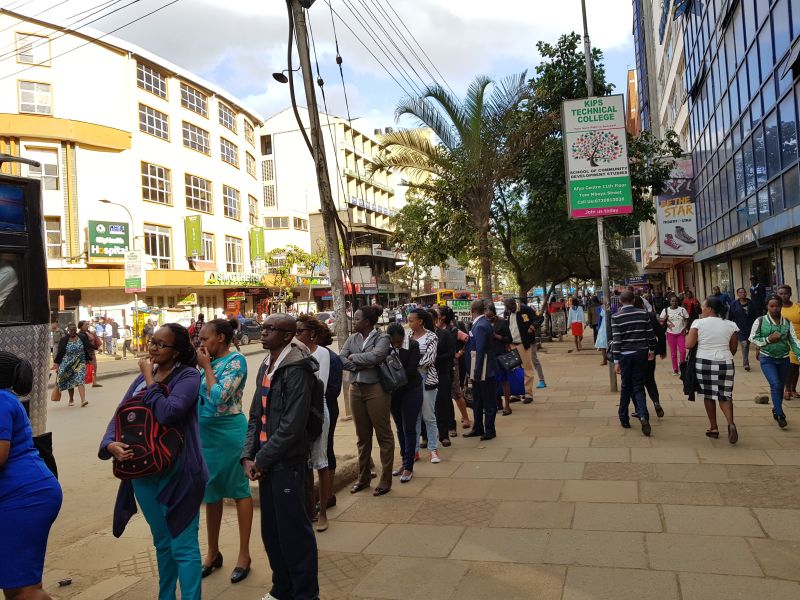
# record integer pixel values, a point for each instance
(510, 360)
(392, 373)
(689, 374)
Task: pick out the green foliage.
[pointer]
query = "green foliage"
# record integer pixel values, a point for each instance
(283, 262)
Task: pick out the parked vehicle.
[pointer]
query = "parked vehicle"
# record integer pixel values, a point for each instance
(249, 331)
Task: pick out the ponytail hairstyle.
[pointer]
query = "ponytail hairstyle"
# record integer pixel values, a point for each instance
(447, 314)
(226, 327)
(426, 318)
(187, 355)
(324, 337)
(16, 374)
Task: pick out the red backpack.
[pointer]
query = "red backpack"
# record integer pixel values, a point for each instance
(155, 446)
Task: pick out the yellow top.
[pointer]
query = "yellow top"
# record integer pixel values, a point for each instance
(792, 314)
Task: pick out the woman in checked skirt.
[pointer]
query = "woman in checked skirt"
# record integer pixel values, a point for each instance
(716, 341)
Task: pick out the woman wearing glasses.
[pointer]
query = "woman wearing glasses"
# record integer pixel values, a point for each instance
(170, 500)
(223, 427)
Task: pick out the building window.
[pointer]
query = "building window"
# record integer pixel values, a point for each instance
(268, 170)
(300, 224)
(266, 145)
(196, 138)
(36, 98)
(229, 151)
(198, 193)
(276, 222)
(230, 197)
(33, 49)
(227, 118)
(151, 80)
(269, 196)
(157, 245)
(250, 161)
(249, 133)
(234, 261)
(154, 122)
(208, 248)
(52, 229)
(48, 171)
(194, 100)
(156, 184)
(252, 202)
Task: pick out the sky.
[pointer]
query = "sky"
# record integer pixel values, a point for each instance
(238, 44)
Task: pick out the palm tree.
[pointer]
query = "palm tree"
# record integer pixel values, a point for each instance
(470, 157)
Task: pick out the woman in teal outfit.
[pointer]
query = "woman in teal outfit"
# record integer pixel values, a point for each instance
(223, 428)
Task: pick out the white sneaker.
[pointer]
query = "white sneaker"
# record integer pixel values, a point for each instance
(435, 457)
(269, 597)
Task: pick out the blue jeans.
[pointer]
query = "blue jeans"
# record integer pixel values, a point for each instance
(178, 558)
(633, 369)
(428, 414)
(406, 406)
(775, 370)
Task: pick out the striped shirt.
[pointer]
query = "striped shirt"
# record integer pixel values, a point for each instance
(631, 331)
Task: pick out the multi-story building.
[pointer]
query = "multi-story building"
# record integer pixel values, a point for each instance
(364, 196)
(743, 80)
(135, 153)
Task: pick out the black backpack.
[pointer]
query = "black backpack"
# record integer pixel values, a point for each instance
(316, 412)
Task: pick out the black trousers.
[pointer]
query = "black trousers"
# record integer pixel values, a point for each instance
(484, 406)
(287, 534)
(650, 382)
(406, 406)
(445, 411)
(633, 369)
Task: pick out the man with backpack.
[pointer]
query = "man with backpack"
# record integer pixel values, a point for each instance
(275, 454)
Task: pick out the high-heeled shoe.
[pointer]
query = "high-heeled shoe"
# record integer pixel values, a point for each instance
(241, 573)
(208, 569)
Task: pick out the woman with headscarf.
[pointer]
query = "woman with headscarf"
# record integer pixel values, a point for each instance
(223, 428)
(74, 353)
(169, 386)
(30, 496)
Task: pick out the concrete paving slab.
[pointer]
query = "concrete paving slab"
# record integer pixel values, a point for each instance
(384, 509)
(617, 517)
(701, 554)
(575, 441)
(502, 545)
(692, 473)
(714, 587)
(599, 455)
(108, 587)
(457, 488)
(522, 489)
(348, 537)
(592, 583)
(486, 470)
(785, 457)
(711, 520)
(734, 456)
(619, 440)
(400, 578)
(600, 491)
(673, 492)
(780, 523)
(534, 515)
(416, 540)
(467, 513)
(619, 471)
(511, 582)
(550, 471)
(523, 441)
(446, 468)
(596, 548)
(537, 454)
(480, 454)
(778, 558)
(664, 455)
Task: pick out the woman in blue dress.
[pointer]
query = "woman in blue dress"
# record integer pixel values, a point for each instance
(30, 496)
(74, 353)
(601, 339)
(223, 428)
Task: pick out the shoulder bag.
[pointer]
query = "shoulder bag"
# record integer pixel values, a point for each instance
(510, 360)
(392, 373)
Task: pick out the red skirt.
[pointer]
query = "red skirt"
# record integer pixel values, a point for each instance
(577, 329)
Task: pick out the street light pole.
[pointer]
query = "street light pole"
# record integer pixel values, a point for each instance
(601, 238)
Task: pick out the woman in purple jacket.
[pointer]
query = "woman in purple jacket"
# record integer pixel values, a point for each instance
(170, 500)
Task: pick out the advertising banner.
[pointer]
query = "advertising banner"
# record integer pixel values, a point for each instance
(135, 274)
(596, 153)
(108, 241)
(194, 235)
(675, 213)
(256, 243)
(188, 300)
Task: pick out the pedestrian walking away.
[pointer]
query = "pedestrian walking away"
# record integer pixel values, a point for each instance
(742, 312)
(676, 320)
(633, 344)
(362, 353)
(775, 338)
(421, 330)
(481, 365)
(575, 322)
(522, 322)
(223, 426)
(692, 306)
(650, 384)
(406, 401)
(30, 496)
(716, 340)
(601, 340)
(74, 353)
(168, 386)
(276, 454)
(791, 312)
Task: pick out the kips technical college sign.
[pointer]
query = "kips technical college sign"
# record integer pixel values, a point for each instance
(596, 154)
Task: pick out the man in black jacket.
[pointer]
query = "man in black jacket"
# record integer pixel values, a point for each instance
(522, 322)
(276, 454)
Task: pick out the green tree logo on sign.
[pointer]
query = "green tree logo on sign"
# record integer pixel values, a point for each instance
(597, 146)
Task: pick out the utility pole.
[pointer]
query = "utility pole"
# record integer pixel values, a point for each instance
(327, 206)
(601, 238)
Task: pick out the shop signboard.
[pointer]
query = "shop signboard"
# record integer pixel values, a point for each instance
(187, 300)
(305, 280)
(235, 296)
(596, 153)
(256, 243)
(461, 308)
(193, 226)
(135, 273)
(225, 279)
(108, 241)
(676, 216)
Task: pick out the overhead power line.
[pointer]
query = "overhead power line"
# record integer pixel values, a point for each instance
(41, 12)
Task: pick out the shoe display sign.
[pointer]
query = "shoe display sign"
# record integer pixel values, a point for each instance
(675, 215)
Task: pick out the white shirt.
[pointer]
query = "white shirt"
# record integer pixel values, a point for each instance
(713, 338)
(324, 359)
(516, 338)
(676, 316)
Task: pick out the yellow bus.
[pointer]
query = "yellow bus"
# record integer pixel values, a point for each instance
(440, 297)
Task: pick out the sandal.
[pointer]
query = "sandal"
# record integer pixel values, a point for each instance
(465, 423)
(380, 491)
(357, 487)
(712, 434)
(84, 403)
(733, 434)
(507, 412)
(406, 476)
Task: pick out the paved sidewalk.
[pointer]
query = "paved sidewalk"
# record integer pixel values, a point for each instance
(563, 505)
